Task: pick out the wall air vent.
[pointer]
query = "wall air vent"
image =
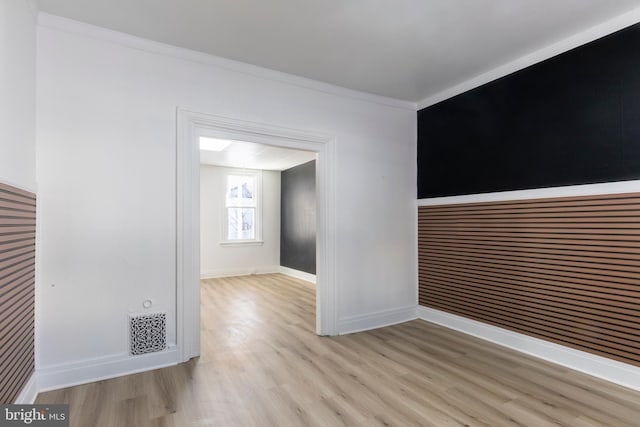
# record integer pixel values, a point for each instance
(148, 333)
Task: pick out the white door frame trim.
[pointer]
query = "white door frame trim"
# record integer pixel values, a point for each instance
(189, 126)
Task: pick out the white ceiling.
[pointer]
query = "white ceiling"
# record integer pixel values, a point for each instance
(248, 155)
(405, 49)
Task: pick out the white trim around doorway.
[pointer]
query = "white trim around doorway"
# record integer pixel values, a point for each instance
(190, 124)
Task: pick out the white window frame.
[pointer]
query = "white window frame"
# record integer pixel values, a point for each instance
(257, 240)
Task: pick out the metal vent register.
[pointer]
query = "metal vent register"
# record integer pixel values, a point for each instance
(148, 333)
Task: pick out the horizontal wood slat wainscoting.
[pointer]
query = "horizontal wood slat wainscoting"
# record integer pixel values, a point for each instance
(17, 287)
(566, 270)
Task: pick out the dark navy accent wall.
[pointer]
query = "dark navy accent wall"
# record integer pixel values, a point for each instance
(572, 119)
(298, 218)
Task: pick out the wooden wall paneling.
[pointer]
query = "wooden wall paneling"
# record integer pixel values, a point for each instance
(566, 270)
(17, 287)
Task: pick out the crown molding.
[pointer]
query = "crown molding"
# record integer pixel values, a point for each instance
(579, 39)
(64, 24)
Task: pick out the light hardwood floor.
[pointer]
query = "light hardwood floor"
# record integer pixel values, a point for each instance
(262, 365)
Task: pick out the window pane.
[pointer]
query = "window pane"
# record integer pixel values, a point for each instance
(240, 223)
(241, 190)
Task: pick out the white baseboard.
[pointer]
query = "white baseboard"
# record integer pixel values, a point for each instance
(302, 275)
(601, 367)
(375, 320)
(230, 272)
(29, 392)
(91, 370)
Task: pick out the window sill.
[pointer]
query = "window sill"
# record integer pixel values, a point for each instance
(242, 243)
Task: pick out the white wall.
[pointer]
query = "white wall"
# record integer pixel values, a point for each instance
(218, 260)
(107, 174)
(17, 94)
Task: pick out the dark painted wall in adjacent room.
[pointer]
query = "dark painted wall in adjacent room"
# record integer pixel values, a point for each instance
(298, 218)
(572, 119)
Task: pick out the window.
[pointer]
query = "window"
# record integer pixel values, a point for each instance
(242, 207)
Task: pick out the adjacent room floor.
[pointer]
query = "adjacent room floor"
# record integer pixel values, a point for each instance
(262, 365)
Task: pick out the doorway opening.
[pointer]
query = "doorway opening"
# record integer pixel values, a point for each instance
(257, 209)
(192, 125)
